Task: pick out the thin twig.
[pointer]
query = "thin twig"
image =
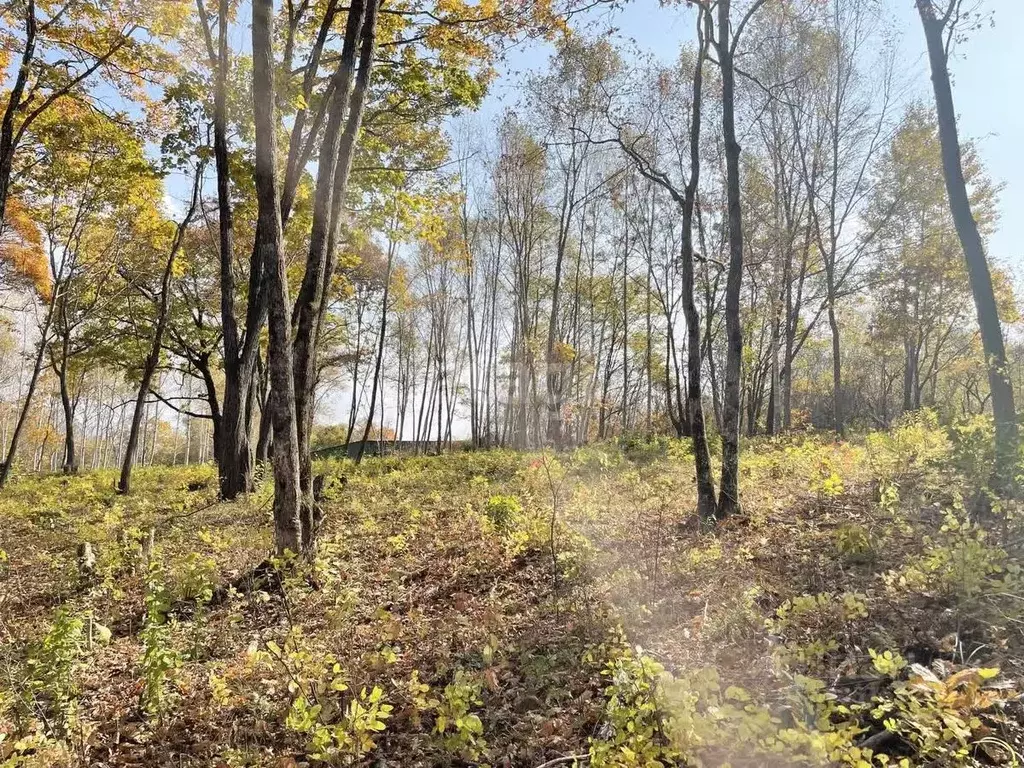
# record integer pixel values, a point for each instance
(566, 759)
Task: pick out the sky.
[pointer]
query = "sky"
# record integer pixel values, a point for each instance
(987, 68)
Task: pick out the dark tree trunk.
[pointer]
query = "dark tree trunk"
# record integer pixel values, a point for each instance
(265, 431)
(648, 352)
(909, 375)
(771, 414)
(312, 301)
(471, 340)
(625, 315)
(312, 297)
(1003, 409)
(70, 466)
(554, 364)
(149, 366)
(728, 500)
(837, 367)
(293, 389)
(690, 418)
(232, 451)
(287, 533)
(234, 461)
(706, 507)
(789, 341)
(354, 398)
(675, 402)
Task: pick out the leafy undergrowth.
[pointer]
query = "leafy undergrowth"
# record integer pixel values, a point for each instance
(506, 609)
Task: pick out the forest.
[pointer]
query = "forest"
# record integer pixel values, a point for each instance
(476, 383)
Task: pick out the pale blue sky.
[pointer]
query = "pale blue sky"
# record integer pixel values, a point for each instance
(988, 71)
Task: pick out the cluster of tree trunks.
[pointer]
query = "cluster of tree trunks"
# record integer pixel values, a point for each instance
(818, 180)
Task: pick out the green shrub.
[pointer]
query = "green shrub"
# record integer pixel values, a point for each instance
(159, 658)
(459, 727)
(634, 729)
(973, 449)
(855, 543)
(51, 692)
(809, 627)
(504, 513)
(940, 716)
(341, 726)
(959, 563)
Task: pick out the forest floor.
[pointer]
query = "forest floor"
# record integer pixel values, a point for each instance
(506, 609)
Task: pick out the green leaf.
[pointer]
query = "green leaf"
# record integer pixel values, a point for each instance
(103, 634)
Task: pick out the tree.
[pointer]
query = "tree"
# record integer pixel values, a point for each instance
(269, 252)
(94, 193)
(400, 210)
(448, 57)
(848, 134)
(922, 285)
(163, 302)
(569, 100)
(334, 168)
(63, 51)
(634, 142)
(240, 348)
(725, 43)
(940, 27)
(519, 180)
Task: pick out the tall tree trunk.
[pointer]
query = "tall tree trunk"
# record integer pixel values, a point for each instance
(233, 426)
(673, 392)
(625, 315)
(287, 533)
(909, 371)
(265, 436)
(232, 455)
(491, 369)
(831, 253)
(706, 507)
(154, 433)
(149, 366)
(354, 400)
(1003, 409)
(333, 172)
(648, 354)
(554, 362)
(728, 499)
(442, 374)
(70, 465)
(420, 435)
(837, 364)
(312, 297)
(771, 414)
